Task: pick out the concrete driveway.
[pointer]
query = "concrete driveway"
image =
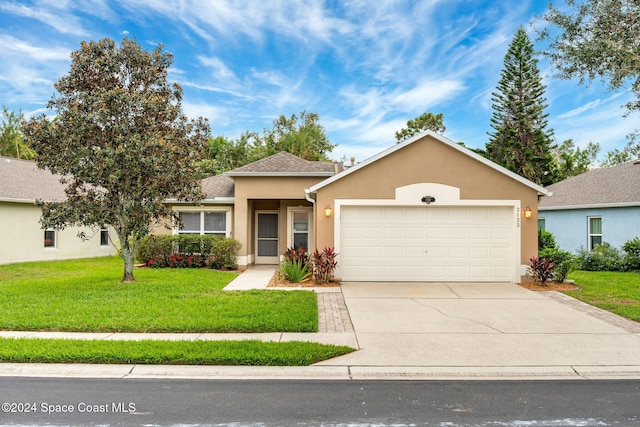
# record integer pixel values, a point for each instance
(473, 326)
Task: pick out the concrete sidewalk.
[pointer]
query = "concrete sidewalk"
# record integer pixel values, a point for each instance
(417, 331)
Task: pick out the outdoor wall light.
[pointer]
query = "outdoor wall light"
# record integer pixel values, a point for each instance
(527, 212)
(327, 211)
(428, 199)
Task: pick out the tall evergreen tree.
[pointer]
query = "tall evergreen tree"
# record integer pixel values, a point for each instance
(521, 141)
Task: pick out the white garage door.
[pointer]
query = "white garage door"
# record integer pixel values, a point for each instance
(426, 243)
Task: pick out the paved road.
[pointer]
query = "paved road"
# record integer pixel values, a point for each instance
(319, 403)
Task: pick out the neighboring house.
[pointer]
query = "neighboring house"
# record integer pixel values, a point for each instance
(602, 205)
(23, 239)
(426, 209)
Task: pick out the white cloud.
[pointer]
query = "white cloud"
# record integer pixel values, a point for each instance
(20, 48)
(59, 18)
(426, 95)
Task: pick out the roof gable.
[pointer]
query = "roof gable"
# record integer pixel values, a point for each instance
(23, 181)
(442, 140)
(285, 164)
(617, 185)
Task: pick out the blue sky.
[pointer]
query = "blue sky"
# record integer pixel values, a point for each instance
(366, 67)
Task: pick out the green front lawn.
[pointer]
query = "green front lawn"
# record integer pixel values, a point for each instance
(612, 291)
(86, 295)
(246, 352)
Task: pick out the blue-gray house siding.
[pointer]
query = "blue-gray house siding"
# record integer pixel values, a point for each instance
(570, 227)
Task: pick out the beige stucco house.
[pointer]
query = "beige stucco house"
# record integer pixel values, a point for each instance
(426, 209)
(23, 239)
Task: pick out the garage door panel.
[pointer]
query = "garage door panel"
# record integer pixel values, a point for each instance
(426, 243)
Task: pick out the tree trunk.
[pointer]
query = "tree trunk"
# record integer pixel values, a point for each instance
(128, 256)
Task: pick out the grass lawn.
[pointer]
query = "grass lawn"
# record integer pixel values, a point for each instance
(247, 352)
(86, 295)
(612, 291)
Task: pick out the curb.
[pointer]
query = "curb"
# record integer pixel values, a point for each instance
(334, 373)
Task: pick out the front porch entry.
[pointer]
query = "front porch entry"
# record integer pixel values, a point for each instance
(278, 230)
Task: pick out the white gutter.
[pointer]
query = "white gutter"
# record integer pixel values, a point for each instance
(12, 200)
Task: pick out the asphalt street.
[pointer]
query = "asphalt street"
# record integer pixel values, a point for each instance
(163, 402)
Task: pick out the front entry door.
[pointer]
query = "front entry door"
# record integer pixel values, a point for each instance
(267, 238)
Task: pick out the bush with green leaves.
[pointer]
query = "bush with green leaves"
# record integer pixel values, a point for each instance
(631, 259)
(546, 240)
(224, 254)
(603, 257)
(295, 270)
(158, 248)
(564, 262)
(220, 252)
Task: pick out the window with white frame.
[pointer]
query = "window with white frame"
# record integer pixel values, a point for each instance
(595, 231)
(49, 238)
(205, 222)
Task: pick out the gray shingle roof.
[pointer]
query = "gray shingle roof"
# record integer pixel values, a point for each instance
(218, 186)
(617, 185)
(21, 180)
(286, 164)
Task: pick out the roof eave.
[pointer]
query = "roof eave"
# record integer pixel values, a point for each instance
(590, 206)
(16, 200)
(214, 201)
(282, 174)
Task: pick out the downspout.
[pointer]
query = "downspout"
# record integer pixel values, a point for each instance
(307, 195)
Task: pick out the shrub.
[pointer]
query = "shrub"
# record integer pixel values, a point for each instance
(189, 250)
(195, 244)
(224, 254)
(297, 254)
(631, 259)
(541, 269)
(295, 270)
(324, 264)
(564, 262)
(158, 248)
(603, 257)
(546, 241)
(186, 261)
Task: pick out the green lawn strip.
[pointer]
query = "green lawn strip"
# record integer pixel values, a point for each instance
(612, 291)
(87, 296)
(152, 352)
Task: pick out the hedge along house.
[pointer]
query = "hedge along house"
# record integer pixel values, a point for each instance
(426, 210)
(23, 239)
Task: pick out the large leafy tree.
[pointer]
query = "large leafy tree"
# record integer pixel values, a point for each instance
(598, 40)
(520, 140)
(572, 160)
(120, 141)
(11, 139)
(426, 121)
(301, 135)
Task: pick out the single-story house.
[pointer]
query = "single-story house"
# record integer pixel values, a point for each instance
(601, 205)
(23, 239)
(426, 209)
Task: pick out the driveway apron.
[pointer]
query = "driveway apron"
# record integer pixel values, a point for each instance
(479, 325)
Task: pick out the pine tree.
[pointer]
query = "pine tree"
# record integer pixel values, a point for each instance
(521, 141)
